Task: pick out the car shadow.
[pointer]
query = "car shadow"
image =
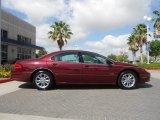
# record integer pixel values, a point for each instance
(81, 87)
(27, 86)
(68, 86)
(144, 85)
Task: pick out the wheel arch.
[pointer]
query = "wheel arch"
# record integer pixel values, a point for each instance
(128, 69)
(42, 69)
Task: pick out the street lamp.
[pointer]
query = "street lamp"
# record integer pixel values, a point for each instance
(0, 32)
(148, 19)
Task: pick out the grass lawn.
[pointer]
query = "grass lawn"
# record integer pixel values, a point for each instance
(150, 66)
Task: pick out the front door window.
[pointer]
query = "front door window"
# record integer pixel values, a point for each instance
(93, 58)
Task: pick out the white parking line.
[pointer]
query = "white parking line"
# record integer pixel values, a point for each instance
(4, 116)
(9, 87)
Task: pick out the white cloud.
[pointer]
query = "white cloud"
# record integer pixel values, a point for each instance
(42, 34)
(109, 44)
(84, 17)
(93, 15)
(73, 47)
(37, 11)
(103, 15)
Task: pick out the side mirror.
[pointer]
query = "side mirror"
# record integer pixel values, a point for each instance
(109, 62)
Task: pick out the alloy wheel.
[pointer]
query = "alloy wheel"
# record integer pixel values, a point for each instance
(128, 80)
(42, 80)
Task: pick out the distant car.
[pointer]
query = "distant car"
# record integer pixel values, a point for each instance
(77, 67)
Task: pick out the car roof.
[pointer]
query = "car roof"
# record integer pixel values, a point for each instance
(62, 51)
(48, 56)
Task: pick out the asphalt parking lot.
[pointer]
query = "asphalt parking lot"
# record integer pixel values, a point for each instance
(96, 102)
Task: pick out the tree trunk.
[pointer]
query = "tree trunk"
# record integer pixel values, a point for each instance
(60, 48)
(60, 44)
(141, 54)
(155, 58)
(134, 57)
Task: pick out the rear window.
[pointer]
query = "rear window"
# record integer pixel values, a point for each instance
(66, 57)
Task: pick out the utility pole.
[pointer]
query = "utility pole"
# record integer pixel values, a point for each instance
(148, 19)
(148, 44)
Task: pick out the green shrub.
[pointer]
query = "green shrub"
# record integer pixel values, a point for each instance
(8, 67)
(1, 68)
(151, 65)
(5, 70)
(5, 74)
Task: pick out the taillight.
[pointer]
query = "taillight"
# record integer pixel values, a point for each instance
(17, 66)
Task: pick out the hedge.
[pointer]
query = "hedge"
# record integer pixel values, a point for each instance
(150, 66)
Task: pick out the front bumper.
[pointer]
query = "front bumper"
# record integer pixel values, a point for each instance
(145, 77)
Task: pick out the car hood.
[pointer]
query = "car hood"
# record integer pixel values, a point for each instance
(125, 64)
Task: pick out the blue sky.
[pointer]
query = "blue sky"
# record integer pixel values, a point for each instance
(101, 26)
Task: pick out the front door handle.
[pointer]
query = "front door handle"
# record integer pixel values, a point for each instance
(86, 66)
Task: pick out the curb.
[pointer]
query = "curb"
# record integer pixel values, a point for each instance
(3, 80)
(154, 69)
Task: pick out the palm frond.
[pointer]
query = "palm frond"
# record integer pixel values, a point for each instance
(60, 32)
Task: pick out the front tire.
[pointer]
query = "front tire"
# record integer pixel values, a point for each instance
(127, 80)
(43, 80)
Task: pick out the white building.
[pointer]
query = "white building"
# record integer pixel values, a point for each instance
(18, 38)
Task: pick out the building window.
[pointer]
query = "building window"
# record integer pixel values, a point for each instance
(23, 53)
(156, 36)
(18, 37)
(4, 33)
(29, 40)
(4, 53)
(24, 39)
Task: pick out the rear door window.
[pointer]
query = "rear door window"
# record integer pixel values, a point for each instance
(67, 57)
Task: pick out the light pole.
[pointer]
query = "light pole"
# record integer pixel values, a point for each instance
(148, 19)
(0, 32)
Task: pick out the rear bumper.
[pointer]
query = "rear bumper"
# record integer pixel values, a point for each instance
(21, 76)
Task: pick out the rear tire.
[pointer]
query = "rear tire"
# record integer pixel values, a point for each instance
(127, 80)
(43, 80)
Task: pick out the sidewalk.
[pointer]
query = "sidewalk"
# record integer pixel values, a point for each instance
(9, 87)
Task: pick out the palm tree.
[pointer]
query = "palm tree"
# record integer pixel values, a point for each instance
(60, 32)
(157, 19)
(141, 37)
(133, 46)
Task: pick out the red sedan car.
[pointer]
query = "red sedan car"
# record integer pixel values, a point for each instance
(77, 67)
